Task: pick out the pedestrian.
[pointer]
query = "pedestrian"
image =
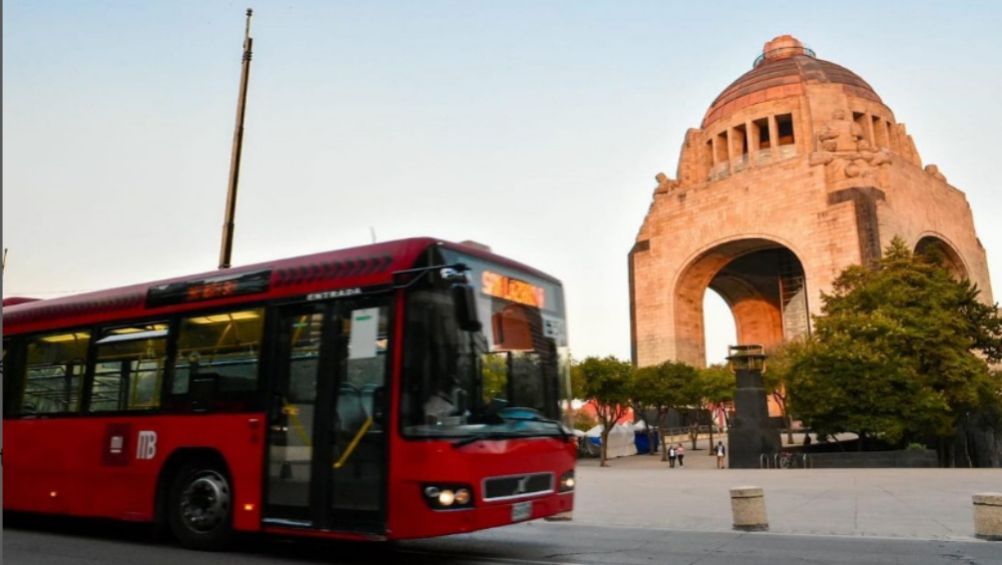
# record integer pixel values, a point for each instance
(671, 456)
(721, 451)
(680, 453)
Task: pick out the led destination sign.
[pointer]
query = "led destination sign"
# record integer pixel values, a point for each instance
(225, 286)
(511, 289)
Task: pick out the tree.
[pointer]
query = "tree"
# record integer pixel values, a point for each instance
(606, 383)
(641, 404)
(663, 387)
(844, 384)
(982, 430)
(775, 380)
(577, 382)
(715, 385)
(898, 354)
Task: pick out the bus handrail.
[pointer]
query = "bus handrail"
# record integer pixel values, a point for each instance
(292, 412)
(354, 443)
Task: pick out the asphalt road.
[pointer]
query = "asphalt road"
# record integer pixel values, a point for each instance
(86, 542)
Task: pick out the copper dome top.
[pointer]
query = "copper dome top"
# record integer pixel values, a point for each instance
(782, 70)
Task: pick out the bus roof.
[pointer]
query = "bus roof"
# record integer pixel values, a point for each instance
(356, 267)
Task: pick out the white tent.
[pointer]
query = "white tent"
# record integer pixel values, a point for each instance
(620, 440)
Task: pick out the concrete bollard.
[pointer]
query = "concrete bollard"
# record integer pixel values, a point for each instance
(988, 516)
(748, 507)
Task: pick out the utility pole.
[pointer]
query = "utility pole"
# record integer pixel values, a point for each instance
(238, 139)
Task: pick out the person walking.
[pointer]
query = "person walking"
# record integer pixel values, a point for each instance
(720, 451)
(671, 456)
(680, 453)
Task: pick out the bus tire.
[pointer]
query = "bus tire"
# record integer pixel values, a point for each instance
(200, 506)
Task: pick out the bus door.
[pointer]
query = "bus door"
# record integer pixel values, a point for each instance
(326, 455)
(358, 455)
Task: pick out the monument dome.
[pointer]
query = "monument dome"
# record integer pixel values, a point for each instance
(784, 69)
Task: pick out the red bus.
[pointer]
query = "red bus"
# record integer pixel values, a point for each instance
(399, 390)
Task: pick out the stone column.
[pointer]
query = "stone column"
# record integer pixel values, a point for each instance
(750, 434)
(773, 135)
(752, 139)
(729, 132)
(868, 128)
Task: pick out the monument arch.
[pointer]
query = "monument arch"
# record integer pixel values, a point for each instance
(762, 282)
(936, 247)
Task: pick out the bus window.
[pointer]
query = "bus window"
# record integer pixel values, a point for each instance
(367, 348)
(129, 368)
(227, 345)
(54, 370)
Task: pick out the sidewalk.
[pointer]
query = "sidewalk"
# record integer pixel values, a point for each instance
(642, 492)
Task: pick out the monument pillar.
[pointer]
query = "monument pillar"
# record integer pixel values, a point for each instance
(750, 433)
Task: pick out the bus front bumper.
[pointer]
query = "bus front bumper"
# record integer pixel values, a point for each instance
(426, 522)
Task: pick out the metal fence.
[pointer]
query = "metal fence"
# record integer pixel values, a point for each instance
(785, 460)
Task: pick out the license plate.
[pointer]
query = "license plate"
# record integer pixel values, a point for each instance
(521, 511)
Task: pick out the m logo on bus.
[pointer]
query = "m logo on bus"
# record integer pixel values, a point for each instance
(146, 445)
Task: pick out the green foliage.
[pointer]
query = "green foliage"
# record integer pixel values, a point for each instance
(840, 384)
(776, 379)
(894, 355)
(607, 383)
(777, 368)
(713, 385)
(605, 380)
(664, 386)
(577, 382)
(716, 384)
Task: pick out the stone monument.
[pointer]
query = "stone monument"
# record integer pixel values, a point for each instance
(797, 171)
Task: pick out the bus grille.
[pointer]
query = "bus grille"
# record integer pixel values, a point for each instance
(516, 486)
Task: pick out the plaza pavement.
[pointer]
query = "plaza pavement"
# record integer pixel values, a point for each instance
(642, 492)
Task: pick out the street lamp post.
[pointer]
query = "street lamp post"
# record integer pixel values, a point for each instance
(750, 433)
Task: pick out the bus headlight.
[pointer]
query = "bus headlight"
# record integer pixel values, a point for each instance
(448, 496)
(567, 481)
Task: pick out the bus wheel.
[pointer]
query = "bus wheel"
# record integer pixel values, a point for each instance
(201, 506)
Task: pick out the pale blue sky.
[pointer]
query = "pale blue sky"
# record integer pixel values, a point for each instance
(534, 127)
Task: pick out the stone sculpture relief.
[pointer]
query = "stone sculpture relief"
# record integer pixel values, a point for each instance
(844, 150)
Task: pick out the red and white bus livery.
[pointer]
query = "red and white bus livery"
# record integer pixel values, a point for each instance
(399, 390)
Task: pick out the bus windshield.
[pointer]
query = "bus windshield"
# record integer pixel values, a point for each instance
(507, 380)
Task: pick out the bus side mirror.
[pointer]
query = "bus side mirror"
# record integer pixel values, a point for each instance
(465, 303)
